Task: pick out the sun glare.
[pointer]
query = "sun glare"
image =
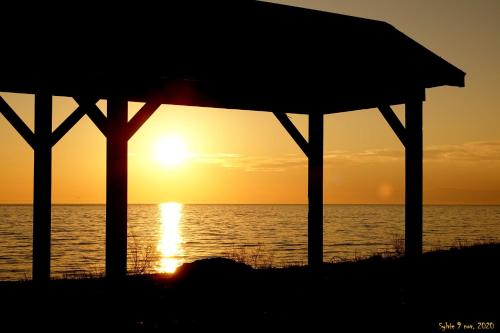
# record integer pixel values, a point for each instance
(171, 151)
(170, 244)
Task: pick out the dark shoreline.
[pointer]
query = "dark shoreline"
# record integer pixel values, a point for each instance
(375, 294)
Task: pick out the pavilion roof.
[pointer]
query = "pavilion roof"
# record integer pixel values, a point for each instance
(239, 54)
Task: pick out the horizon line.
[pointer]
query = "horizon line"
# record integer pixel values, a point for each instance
(249, 204)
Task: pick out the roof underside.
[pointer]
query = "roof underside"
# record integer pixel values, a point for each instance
(232, 54)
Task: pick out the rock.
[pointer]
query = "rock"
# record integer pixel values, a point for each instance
(212, 268)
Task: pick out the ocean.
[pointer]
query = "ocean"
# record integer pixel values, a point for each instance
(162, 237)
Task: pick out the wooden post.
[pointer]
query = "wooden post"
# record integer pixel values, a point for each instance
(42, 187)
(315, 191)
(414, 178)
(116, 189)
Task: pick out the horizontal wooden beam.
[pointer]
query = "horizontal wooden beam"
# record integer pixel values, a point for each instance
(394, 122)
(17, 122)
(94, 113)
(141, 117)
(68, 124)
(293, 131)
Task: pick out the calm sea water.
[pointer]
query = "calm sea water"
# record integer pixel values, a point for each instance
(162, 237)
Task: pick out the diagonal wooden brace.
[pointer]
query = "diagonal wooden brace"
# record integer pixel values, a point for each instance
(69, 122)
(94, 113)
(394, 122)
(141, 117)
(17, 122)
(293, 131)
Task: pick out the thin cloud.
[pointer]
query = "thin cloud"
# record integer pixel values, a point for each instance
(485, 151)
(480, 151)
(250, 163)
(227, 160)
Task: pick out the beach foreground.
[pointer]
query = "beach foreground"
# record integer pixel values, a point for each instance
(441, 290)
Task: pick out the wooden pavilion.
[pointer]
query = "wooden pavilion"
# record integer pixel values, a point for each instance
(232, 54)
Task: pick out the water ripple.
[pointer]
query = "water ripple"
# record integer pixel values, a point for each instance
(269, 231)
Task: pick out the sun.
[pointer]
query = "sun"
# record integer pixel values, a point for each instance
(170, 151)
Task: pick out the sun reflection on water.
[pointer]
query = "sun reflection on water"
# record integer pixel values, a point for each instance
(170, 243)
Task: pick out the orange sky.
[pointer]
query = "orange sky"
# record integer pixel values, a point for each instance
(247, 157)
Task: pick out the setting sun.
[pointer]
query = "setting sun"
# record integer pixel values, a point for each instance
(170, 151)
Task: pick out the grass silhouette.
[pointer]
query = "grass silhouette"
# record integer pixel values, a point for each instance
(389, 293)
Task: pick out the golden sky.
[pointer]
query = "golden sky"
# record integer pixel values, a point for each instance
(247, 157)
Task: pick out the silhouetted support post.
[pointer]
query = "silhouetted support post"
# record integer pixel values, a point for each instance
(413, 178)
(116, 189)
(315, 191)
(42, 187)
